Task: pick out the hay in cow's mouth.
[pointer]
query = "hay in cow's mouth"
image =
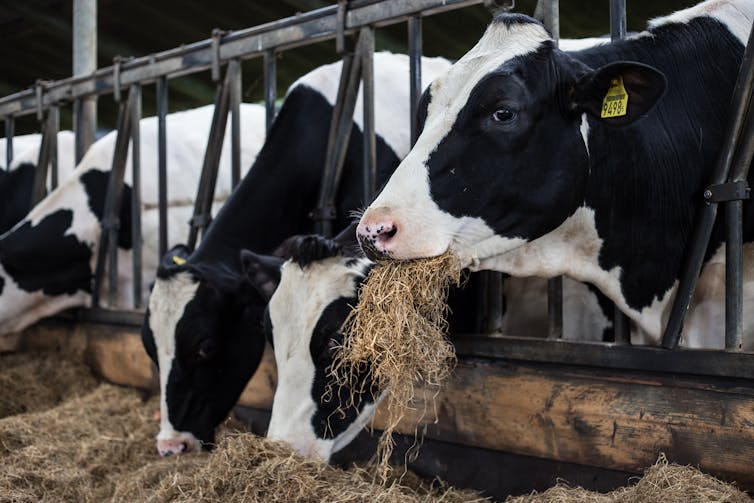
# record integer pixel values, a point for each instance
(397, 336)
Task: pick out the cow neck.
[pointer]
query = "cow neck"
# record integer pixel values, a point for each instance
(646, 179)
(273, 201)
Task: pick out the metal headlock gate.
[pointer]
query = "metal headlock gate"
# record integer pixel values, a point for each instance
(360, 17)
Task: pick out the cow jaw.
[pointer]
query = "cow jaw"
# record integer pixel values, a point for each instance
(166, 306)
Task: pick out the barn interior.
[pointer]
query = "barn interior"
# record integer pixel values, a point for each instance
(559, 408)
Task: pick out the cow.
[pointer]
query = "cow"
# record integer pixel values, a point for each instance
(16, 183)
(536, 162)
(47, 259)
(316, 282)
(203, 323)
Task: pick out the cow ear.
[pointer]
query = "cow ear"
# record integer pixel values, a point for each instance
(177, 255)
(619, 93)
(262, 271)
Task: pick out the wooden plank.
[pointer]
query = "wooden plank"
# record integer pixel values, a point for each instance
(595, 417)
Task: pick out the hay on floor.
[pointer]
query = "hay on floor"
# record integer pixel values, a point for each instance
(397, 335)
(662, 482)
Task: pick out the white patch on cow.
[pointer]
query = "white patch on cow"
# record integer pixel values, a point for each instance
(295, 308)
(391, 112)
(579, 44)
(166, 306)
(584, 129)
(736, 15)
(406, 198)
(29, 153)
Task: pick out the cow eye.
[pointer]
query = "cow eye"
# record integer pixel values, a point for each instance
(504, 115)
(206, 349)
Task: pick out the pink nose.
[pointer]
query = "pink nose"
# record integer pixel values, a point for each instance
(375, 233)
(177, 445)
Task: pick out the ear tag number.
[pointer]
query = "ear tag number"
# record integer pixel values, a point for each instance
(178, 260)
(615, 103)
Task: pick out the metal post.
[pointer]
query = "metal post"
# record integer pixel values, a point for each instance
(85, 63)
(270, 71)
(53, 123)
(548, 11)
(134, 103)
(621, 323)
(43, 163)
(10, 126)
(205, 193)
(235, 127)
(699, 241)
(555, 307)
(617, 19)
(734, 324)
(108, 241)
(415, 71)
(162, 163)
(370, 143)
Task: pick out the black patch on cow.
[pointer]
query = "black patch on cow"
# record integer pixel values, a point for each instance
(643, 180)
(96, 183)
(147, 339)
(305, 249)
(42, 257)
(334, 413)
(15, 195)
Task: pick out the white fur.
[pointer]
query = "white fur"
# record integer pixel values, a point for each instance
(391, 115)
(29, 152)
(736, 15)
(295, 308)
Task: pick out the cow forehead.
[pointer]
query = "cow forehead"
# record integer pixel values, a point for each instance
(305, 292)
(167, 304)
(500, 43)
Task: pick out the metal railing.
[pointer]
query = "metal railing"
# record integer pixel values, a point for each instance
(360, 17)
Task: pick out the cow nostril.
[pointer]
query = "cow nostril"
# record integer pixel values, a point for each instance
(184, 447)
(167, 454)
(391, 232)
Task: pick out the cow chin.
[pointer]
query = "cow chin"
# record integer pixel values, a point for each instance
(169, 444)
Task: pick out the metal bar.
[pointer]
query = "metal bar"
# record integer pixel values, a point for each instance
(108, 240)
(235, 128)
(370, 141)
(80, 143)
(323, 222)
(53, 123)
(270, 84)
(162, 163)
(415, 72)
(699, 241)
(206, 190)
(136, 236)
(734, 324)
(555, 307)
(303, 29)
(550, 10)
(493, 306)
(43, 164)
(646, 358)
(84, 63)
(10, 127)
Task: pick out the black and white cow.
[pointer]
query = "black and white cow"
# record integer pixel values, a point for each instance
(203, 325)
(517, 171)
(316, 282)
(16, 183)
(47, 259)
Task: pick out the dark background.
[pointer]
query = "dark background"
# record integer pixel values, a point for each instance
(35, 39)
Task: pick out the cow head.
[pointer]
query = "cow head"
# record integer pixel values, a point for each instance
(317, 287)
(203, 331)
(503, 157)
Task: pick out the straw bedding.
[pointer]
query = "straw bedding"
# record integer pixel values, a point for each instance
(397, 335)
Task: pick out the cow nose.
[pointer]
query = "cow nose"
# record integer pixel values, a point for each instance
(376, 235)
(176, 445)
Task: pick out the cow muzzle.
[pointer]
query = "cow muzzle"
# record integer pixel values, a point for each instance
(179, 443)
(377, 233)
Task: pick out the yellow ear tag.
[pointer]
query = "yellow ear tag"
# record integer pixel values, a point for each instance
(615, 103)
(178, 260)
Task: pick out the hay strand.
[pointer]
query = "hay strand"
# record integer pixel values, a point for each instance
(396, 335)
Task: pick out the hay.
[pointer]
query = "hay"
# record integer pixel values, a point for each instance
(34, 384)
(98, 445)
(396, 336)
(662, 483)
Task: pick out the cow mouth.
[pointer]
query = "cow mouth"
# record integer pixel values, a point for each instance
(371, 251)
